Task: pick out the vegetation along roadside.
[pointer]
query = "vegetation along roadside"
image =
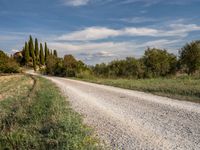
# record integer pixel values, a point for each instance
(34, 115)
(182, 88)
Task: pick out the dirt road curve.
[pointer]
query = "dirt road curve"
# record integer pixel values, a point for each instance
(129, 120)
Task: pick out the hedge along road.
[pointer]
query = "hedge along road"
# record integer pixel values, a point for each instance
(126, 119)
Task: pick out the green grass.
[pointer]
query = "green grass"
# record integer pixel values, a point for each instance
(182, 88)
(40, 118)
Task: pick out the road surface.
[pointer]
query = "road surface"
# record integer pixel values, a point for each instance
(129, 120)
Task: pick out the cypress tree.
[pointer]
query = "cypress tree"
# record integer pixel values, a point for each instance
(31, 49)
(55, 53)
(26, 53)
(46, 51)
(41, 55)
(36, 50)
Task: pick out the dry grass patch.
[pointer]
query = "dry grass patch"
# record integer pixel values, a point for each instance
(14, 86)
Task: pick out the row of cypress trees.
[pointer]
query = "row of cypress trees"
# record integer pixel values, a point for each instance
(35, 55)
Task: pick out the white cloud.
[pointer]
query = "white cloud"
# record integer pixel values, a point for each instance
(98, 33)
(162, 43)
(95, 52)
(137, 20)
(92, 33)
(139, 32)
(76, 2)
(179, 30)
(145, 2)
(14, 50)
(88, 46)
(110, 49)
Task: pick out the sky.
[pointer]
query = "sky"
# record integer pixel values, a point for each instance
(96, 31)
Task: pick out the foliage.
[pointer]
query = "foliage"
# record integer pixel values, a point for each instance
(55, 53)
(190, 57)
(8, 65)
(46, 51)
(68, 66)
(31, 47)
(159, 63)
(41, 55)
(154, 63)
(51, 64)
(32, 56)
(36, 51)
(27, 54)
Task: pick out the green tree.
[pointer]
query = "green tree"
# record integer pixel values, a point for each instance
(41, 54)
(101, 70)
(55, 53)
(8, 65)
(26, 53)
(190, 57)
(133, 68)
(46, 51)
(158, 62)
(36, 51)
(51, 64)
(70, 65)
(31, 47)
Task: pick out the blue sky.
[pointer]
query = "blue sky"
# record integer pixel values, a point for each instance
(100, 30)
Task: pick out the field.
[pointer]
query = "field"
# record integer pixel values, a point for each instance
(182, 88)
(34, 115)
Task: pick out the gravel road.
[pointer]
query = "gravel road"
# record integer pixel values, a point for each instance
(129, 120)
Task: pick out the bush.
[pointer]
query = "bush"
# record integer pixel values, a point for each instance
(190, 57)
(68, 66)
(159, 63)
(8, 65)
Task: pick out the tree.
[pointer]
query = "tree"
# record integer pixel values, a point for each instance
(41, 55)
(130, 68)
(46, 51)
(70, 65)
(36, 51)
(101, 70)
(158, 62)
(26, 53)
(55, 53)
(50, 64)
(7, 65)
(133, 68)
(31, 47)
(190, 57)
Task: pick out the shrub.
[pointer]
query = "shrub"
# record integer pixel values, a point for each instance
(190, 57)
(159, 63)
(8, 65)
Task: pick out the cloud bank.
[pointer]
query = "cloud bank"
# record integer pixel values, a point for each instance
(98, 33)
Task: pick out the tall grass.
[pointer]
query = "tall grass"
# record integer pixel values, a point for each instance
(182, 88)
(42, 119)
